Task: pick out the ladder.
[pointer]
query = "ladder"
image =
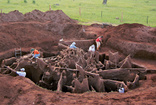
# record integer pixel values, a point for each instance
(18, 52)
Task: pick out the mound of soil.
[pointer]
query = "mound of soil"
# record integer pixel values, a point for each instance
(57, 16)
(36, 29)
(12, 16)
(134, 39)
(43, 30)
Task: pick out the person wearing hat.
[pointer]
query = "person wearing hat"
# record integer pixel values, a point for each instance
(21, 72)
(73, 45)
(35, 53)
(92, 48)
(98, 42)
(121, 90)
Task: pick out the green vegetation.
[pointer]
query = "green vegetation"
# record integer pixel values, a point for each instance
(25, 1)
(115, 12)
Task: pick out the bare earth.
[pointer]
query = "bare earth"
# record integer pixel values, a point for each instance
(43, 30)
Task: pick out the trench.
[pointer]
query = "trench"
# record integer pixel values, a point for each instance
(61, 69)
(145, 54)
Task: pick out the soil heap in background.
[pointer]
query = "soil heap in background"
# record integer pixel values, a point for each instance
(41, 30)
(135, 39)
(57, 16)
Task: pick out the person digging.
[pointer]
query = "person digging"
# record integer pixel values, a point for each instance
(20, 72)
(35, 53)
(73, 45)
(99, 42)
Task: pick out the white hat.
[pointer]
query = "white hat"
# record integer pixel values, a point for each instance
(73, 43)
(22, 69)
(61, 39)
(121, 90)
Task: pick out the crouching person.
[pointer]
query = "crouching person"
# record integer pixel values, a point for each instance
(91, 50)
(21, 72)
(15, 73)
(35, 53)
(73, 45)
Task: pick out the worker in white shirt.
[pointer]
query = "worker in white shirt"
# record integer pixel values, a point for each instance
(21, 72)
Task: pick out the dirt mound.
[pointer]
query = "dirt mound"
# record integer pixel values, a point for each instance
(36, 34)
(135, 39)
(57, 16)
(12, 16)
(134, 32)
(36, 29)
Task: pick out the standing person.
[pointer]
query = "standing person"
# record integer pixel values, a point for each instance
(35, 53)
(98, 42)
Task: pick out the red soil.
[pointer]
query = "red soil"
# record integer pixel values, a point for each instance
(43, 31)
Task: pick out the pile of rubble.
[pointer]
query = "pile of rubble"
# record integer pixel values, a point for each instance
(77, 71)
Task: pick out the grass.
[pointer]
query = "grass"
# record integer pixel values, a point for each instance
(90, 11)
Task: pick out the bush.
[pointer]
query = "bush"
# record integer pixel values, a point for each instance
(8, 1)
(25, 1)
(34, 2)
